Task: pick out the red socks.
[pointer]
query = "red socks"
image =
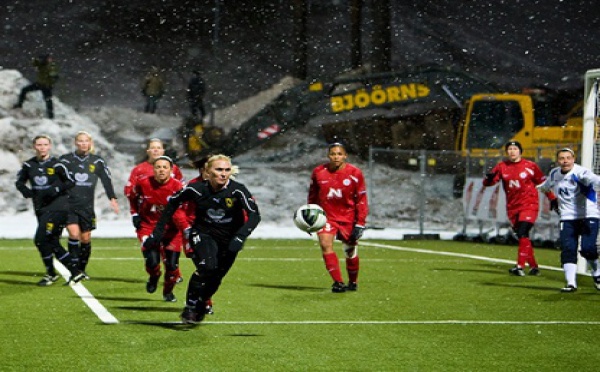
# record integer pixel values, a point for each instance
(332, 264)
(526, 253)
(352, 267)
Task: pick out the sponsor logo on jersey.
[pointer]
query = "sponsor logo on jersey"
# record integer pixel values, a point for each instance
(216, 214)
(334, 193)
(81, 177)
(40, 180)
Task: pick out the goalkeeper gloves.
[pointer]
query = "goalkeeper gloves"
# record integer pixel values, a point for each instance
(137, 221)
(357, 232)
(151, 242)
(236, 244)
(489, 177)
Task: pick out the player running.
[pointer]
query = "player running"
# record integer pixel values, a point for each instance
(150, 197)
(49, 183)
(154, 149)
(85, 168)
(190, 212)
(579, 216)
(339, 188)
(519, 179)
(225, 215)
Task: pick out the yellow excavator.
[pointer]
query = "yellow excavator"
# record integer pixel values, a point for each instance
(427, 107)
(539, 119)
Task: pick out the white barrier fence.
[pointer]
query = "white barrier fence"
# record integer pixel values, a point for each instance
(486, 207)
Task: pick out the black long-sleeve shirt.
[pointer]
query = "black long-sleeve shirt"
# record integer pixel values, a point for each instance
(85, 171)
(49, 181)
(221, 214)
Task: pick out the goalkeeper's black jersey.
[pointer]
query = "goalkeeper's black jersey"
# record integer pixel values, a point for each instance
(48, 181)
(85, 171)
(220, 214)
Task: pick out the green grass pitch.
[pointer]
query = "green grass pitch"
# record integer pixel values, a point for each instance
(421, 306)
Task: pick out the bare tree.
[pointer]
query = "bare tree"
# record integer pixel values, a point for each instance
(355, 33)
(382, 39)
(299, 69)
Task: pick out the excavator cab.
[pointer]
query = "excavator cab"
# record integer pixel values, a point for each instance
(493, 122)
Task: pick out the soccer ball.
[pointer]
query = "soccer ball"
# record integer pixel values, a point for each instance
(310, 218)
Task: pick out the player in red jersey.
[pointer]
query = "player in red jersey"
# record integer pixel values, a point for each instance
(339, 188)
(154, 150)
(151, 197)
(145, 169)
(519, 180)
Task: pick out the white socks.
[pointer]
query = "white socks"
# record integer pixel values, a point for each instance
(571, 274)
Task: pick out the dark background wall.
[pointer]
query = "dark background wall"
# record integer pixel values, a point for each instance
(104, 47)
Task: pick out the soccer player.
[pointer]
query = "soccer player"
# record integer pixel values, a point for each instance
(579, 215)
(49, 183)
(151, 197)
(339, 188)
(85, 168)
(225, 215)
(519, 179)
(190, 209)
(154, 149)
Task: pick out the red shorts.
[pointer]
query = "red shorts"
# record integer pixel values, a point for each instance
(341, 230)
(522, 216)
(172, 240)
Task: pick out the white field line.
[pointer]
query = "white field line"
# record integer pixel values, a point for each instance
(402, 322)
(87, 297)
(108, 318)
(453, 254)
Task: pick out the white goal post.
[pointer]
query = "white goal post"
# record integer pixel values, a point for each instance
(590, 111)
(589, 141)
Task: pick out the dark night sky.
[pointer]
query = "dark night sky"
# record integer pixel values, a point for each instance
(104, 47)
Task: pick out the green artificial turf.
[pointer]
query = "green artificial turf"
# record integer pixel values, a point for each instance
(421, 306)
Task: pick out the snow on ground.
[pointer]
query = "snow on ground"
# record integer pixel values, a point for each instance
(278, 174)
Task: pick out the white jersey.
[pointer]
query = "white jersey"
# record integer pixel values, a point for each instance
(575, 192)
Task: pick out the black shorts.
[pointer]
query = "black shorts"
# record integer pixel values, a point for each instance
(52, 223)
(85, 218)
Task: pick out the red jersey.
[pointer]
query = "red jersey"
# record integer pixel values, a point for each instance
(189, 207)
(519, 181)
(153, 198)
(142, 171)
(341, 193)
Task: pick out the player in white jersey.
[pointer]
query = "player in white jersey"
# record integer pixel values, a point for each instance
(579, 215)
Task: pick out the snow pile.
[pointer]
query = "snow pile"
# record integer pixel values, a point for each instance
(277, 173)
(19, 126)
